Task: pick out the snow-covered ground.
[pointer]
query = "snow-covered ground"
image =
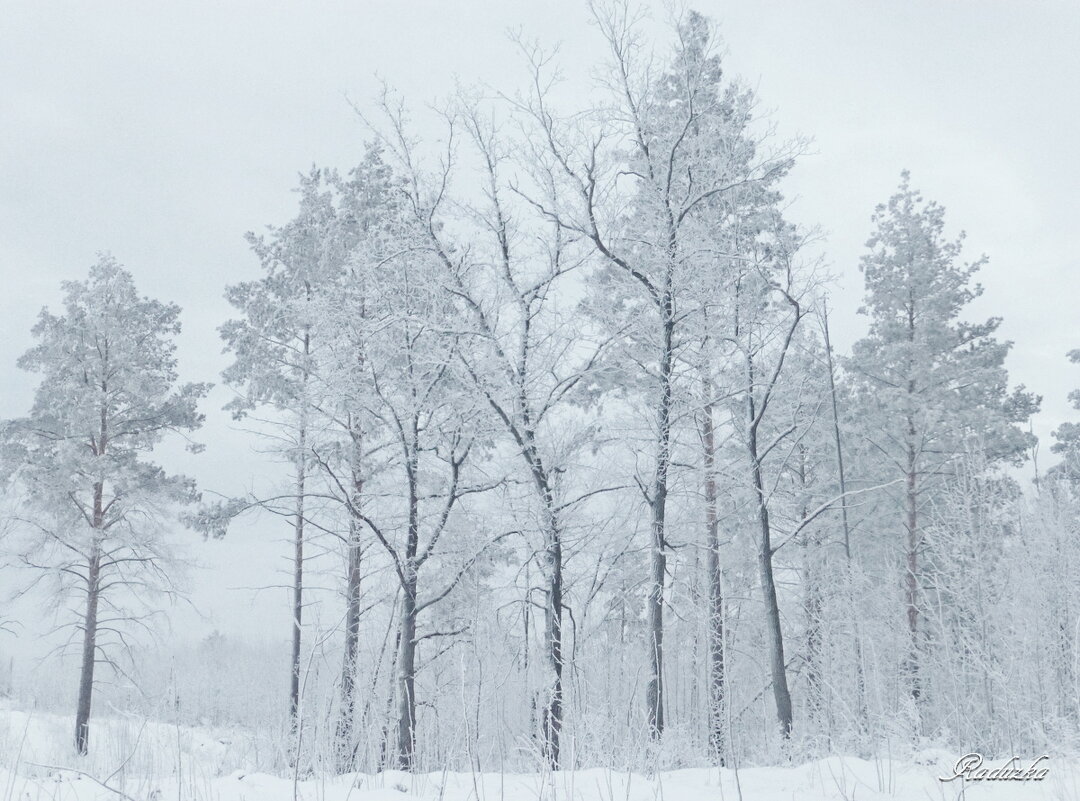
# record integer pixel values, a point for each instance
(833, 779)
(146, 761)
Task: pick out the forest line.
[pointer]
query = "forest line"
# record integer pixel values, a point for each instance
(558, 393)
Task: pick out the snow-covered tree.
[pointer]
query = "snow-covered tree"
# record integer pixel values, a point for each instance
(931, 384)
(368, 215)
(412, 428)
(275, 351)
(671, 141)
(526, 363)
(95, 507)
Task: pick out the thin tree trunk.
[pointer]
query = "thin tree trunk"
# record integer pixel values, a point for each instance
(298, 585)
(93, 596)
(715, 628)
(812, 601)
(860, 680)
(911, 500)
(777, 666)
(346, 745)
(912, 577)
(553, 711)
(552, 715)
(298, 544)
(406, 736)
(527, 631)
(345, 739)
(654, 692)
(89, 650)
(389, 742)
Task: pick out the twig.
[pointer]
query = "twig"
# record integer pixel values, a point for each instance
(89, 776)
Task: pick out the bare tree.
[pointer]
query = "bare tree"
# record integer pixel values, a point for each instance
(525, 362)
(419, 439)
(762, 376)
(849, 564)
(672, 139)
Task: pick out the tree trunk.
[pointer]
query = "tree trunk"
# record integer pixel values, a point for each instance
(89, 650)
(298, 586)
(912, 577)
(406, 737)
(298, 542)
(345, 739)
(346, 746)
(93, 596)
(389, 736)
(911, 499)
(552, 715)
(553, 646)
(654, 692)
(714, 577)
(860, 681)
(777, 666)
(813, 603)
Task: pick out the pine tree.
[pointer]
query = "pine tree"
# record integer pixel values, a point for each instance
(275, 352)
(930, 382)
(97, 506)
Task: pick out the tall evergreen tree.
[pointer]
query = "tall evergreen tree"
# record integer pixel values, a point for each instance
(931, 383)
(275, 350)
(96, 506)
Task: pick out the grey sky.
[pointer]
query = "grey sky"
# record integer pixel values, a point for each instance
(163, 132)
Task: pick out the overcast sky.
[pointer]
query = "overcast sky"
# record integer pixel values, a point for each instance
(162, 132)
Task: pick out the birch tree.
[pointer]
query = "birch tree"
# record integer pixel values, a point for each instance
(421, 437)
(526, 363)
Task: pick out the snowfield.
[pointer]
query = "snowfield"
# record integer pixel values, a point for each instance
(140, 760)
(833, 779)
